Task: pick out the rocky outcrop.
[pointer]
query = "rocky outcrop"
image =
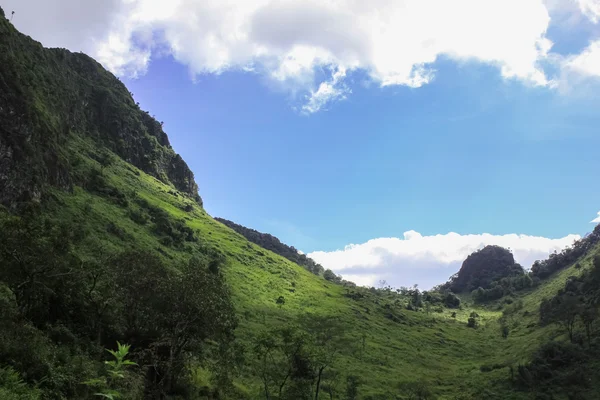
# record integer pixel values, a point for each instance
(50, 96)
(483, 267)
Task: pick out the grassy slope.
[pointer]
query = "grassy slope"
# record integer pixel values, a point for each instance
(436, 347)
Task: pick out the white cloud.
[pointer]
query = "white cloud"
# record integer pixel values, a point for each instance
(329, 91)
(590, 8)
(394, 42)
(596, 220)
(428, 260)
(587, 62)
(362, 280)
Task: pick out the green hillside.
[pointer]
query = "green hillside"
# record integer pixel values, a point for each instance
(77, 153)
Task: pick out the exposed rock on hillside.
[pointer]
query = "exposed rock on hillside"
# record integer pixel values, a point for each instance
(49, 97)
(484, 266)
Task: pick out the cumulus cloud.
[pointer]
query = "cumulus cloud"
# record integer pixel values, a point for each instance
(590, 8)
(394, 42)
(329, 91)
(587, 62)
(428, 260)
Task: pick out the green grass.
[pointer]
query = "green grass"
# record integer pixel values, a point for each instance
(49, 88)
(434, 347)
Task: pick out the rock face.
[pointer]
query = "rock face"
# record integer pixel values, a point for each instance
(49, 97)
(483, 267)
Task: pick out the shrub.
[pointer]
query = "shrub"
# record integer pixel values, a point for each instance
(473, 322)
(114, 229)
(12, 387)
(554, 367)
(108, 386)
(139, 217)
(451, 300)
(416, 390)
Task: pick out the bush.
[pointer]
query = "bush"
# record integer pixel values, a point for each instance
(451, 300)
(114, 229)
(139, 217)
(473, 322)
(12, 387)
(416, 390)
(554, 367)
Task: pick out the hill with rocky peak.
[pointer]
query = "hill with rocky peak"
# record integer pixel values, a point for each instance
(48, 97)
(104, 242)
(480, 269)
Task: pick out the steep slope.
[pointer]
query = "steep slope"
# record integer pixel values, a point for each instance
(72, 139)
(47, 96)
(270, 242)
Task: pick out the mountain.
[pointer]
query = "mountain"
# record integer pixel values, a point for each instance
(51, 97)
(103, 239)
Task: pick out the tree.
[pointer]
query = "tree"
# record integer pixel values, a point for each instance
(352, 385)
(327, 340)
(563, 311)
(280, 355)
(329, 275)
(589, 315)
(451, 300)
(331, 381)
(416, 391)
(170, 314)
(36, 259)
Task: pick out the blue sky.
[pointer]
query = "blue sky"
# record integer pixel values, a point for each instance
(332, 124)
(469, 152)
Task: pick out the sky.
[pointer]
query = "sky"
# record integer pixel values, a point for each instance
(386, 139)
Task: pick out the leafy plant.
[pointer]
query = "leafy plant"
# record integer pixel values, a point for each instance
(107, 386)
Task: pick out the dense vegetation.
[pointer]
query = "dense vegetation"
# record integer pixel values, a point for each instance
(47, 96)
(104, 245)
(483, 267)
(270, 242)
(559, 366)
(567, 256)
(60, 309)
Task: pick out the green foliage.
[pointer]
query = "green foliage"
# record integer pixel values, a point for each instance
(297, 361)
(121, 251)
(558, 261)
(280, 301)
(131, 296)
(483, 267)
(108, 386)
(352, 386)
(503, 287)
(451, 300)
(555, 367)
(473, 321)
(49, 98)
(12, 386)
(415, 391)
(270, 242)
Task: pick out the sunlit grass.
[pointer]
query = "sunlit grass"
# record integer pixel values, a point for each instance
(435, 347)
